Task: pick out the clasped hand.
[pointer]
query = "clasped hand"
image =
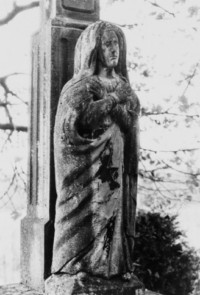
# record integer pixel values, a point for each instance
(99, 92)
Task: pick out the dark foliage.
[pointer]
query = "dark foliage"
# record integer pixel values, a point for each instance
(164, 262)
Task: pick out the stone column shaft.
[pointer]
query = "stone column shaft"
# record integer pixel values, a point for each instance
(52, 66)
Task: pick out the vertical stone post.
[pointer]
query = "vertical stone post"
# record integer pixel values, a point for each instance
(52, 66)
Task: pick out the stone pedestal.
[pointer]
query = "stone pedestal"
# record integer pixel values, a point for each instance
(82, 284)
(52, 66)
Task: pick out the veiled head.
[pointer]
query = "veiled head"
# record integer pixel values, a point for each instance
(101, 41)
(108, 52)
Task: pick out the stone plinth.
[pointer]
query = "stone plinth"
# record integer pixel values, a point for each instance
(82, 284)
(17, 289)
(20, 289)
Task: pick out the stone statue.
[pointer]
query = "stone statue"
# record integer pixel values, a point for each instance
(96, 160)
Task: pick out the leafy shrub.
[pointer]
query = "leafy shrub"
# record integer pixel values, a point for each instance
(164, 261)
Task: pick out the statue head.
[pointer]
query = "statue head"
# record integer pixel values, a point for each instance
(101, 42)
(108, 51)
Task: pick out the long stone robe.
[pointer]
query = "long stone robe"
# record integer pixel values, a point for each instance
(96, 157)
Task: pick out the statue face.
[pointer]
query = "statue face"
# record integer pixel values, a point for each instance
(109, 50)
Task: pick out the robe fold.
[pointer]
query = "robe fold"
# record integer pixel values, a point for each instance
(96, 168)
(96, 158)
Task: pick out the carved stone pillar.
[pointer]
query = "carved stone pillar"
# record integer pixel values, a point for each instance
(52, 66)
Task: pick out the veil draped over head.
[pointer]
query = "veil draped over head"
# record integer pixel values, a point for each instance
(86, 50)
(96, 179)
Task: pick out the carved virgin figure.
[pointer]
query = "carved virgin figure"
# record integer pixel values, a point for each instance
(96, 159)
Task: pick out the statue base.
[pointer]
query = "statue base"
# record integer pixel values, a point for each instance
(83, 284)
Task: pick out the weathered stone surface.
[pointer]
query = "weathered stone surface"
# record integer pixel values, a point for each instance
(82, 284)
(20, 289)
(32, 252)
(70, 11)
(96, 159)
(87, 5)
(53, 51)
(17, 289)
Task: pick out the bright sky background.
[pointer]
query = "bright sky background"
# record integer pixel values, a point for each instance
(16, 39)
(173, 53)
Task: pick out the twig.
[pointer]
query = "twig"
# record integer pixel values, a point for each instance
(171, 190)
(16, 10)
(9, 115)
(154, 179)
(3, 83)
(189, 78)
(10, 132)
(180, 171)
(9, 187)
(171, 151)
(168, 113)
(13, 127)
(160, 7)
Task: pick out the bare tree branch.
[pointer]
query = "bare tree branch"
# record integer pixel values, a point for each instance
(168, 113)
(164, 189)
(16, 10)
(180, 171)
(13, 127)
(10, 132)
(162, 8)
(149, 175)
(9, 187)
(9, 115)
(171, 151)
(154, 169)
(159, 180)
(9, 193)
(4, 104)
(189, 82)
(10, 75)
(3, 83)
(190, 77)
